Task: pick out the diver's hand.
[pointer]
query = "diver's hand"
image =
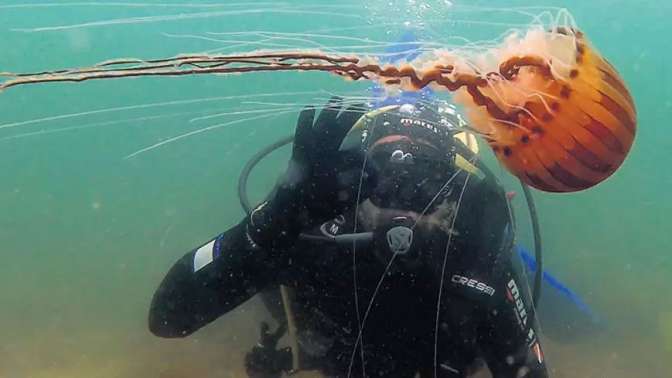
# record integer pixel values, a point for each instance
(320, 182)
(264, 360)
(326, 178)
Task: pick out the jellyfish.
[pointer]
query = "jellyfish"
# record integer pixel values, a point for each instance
(554, 111)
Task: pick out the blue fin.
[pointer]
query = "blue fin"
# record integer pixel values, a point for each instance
(406, 48)
(562, 313)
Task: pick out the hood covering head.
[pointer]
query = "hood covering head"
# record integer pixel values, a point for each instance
(414, 171)
(410, 154)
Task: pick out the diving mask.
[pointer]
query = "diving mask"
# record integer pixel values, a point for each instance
(407, 175)
(409, 153)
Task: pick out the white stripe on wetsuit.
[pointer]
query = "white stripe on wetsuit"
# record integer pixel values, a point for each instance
(204, 256)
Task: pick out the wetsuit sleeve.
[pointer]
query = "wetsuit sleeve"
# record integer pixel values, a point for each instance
(510, 337)
(211, 281)
(508, 332)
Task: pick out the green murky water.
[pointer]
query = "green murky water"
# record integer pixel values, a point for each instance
(86, 235)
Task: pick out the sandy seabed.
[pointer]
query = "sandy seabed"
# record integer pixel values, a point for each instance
(217, 351)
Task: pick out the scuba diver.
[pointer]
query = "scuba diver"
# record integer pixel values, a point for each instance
(396, 242)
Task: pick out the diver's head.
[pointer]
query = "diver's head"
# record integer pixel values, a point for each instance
(409, 153)
(411, 156)
(410, 163)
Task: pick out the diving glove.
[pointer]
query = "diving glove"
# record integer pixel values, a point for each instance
(320, 182)
(264, 360)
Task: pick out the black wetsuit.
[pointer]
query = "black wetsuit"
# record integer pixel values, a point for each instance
(485, 312)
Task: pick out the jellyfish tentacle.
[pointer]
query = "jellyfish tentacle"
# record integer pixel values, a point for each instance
(510, 67)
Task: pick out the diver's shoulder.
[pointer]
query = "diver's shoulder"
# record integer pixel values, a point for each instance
(483, 188)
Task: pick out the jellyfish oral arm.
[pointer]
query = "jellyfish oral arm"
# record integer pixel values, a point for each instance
(354, 68)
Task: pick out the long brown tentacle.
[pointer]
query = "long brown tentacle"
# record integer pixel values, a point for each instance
(350, 67)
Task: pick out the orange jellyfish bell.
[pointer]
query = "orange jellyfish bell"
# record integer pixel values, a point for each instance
(554, 111)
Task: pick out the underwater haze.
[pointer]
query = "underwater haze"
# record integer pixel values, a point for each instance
(104, 184)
